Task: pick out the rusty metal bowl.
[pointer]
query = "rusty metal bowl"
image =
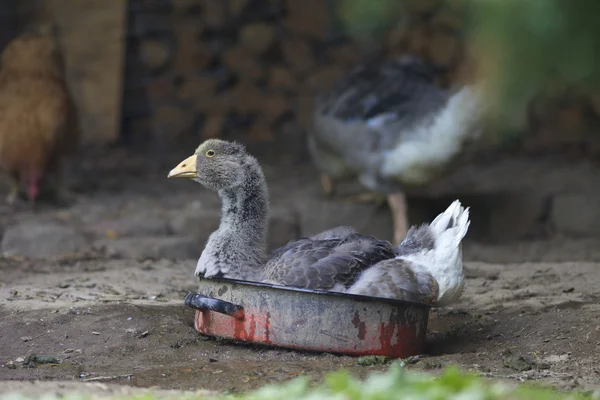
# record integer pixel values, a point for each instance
(315, 320)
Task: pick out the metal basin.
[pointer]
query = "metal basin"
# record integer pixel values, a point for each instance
(305, 319)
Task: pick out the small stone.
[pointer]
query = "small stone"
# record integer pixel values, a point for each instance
(553, 359)
(258, 37)
(11, 365)
(19, 359)
(518, 363)
(26, 338)
(37, 239)
(372, 360)
(156, 247)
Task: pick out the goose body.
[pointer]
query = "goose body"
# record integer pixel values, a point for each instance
(339, 259)
(390, 126)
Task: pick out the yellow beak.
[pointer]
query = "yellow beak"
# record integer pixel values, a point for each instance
(185, 169)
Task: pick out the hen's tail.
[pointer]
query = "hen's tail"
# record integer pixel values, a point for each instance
(436, 248)
(428, 267)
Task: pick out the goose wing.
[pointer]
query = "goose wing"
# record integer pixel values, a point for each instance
(326, 263)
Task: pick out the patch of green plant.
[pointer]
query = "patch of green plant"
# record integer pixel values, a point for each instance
(394, 384)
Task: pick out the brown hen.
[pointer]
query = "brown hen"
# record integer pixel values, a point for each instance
(38, 119)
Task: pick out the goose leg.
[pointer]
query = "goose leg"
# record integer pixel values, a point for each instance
(397, 203)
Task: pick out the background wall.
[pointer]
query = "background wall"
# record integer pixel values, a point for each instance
(249, 70)
(162, 75)
(93, 35)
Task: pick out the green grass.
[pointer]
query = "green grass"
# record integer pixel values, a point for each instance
(396, 383)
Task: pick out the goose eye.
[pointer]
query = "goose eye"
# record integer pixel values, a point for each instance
(210, 153)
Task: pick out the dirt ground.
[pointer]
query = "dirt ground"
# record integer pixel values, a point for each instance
(101, 290)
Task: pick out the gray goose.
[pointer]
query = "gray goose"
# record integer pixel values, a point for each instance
(339, 259)
(387, 124)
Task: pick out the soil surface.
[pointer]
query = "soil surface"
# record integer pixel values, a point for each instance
(95, 288)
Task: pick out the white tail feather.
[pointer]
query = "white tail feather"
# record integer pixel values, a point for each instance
(444, 260)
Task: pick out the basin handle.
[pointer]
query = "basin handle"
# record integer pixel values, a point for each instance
(199, 302)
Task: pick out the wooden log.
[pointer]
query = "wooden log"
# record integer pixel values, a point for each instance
(214, 13)
(309, 18)
(197, 88)
(324, 77)
(275, 106)
(162, 88)
(345, 55)
(258, 37)
(172, 119)
(192, 55)
(155, 53)
(260, 131)
(246, 98)
(236, 7)
(241, 60)
(92, 35)
(213, 126)
(305, 103)
(298, 54)
(281, 78)
(183, 7)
